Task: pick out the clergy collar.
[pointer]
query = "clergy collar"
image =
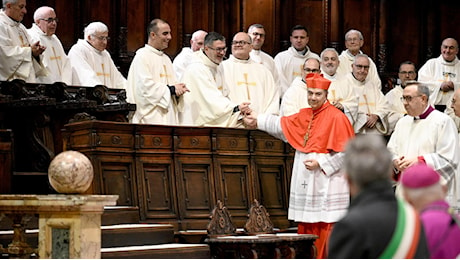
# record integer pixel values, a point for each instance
(449, 63)
(351, 55)
(425, 113)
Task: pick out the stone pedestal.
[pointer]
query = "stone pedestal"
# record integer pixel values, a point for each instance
(69, 225)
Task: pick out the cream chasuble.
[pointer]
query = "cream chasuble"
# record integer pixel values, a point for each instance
(92, 67)
(55, 60)
(150, 73)
(15, 52)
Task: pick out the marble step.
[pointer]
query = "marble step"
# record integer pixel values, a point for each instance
(165, 251)
(112, 236)
(136, 235)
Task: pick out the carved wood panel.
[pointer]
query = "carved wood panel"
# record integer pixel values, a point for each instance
(157, 182)
(117, 177)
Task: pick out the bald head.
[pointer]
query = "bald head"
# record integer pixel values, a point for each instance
(456, 102)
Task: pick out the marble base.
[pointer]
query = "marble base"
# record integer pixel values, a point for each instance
(69, 225)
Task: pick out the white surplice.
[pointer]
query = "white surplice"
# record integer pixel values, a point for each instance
(396, 107)
(371, 101)
(16, 60)
(316, 196)
(265, 59)
(289, 64)
(434, 72)
(206, 105)
(149, 75)
(55, 59)
(248, 81)
(181, 61)
(92, 67)
(346, 59)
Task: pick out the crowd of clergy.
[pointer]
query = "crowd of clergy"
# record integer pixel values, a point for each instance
(241, 86)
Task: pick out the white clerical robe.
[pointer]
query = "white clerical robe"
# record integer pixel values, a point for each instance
(149, 75)
(248, 81)
(16, 57)
(92, 67)
(316, 196)
(181, 61)
(206, 105)
(54, 59)
(263, 58)
(340, 91)
(435, 138)
(371, 101)
(434, 72)
(289, 64)
(346, 59)
(296, 98)
(396, 107)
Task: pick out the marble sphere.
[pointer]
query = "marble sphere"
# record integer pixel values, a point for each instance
(70, 172)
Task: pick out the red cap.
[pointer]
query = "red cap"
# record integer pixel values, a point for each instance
(418, 176)
(315, 80)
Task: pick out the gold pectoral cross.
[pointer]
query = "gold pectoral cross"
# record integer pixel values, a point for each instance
(307, 135)
(247, 84)
(165, 75)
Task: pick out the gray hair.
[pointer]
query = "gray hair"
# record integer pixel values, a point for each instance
(212, 37)
(197, 33)
(40, 12)
(361, 55)
(95, 27)
(9, 1)
(360, 35)
(422, 89)
(328, 49)
(367, 159)
(256, 25)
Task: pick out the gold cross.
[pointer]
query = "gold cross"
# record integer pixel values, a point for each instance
(165, 75)
(103, 73)
(247, 84)
(295, 73)
(55, 57)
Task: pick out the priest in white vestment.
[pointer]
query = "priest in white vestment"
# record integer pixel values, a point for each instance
(258, 35)
(91, 63)
(340, 94)
(152, 85)
(407, 72)
(289, 63)
(425, 135)
(244, 80)
(442, 74)
(183, 59)
(54, 59)
(373, 108)
(206, 104)
(354, 40)
(20, 56)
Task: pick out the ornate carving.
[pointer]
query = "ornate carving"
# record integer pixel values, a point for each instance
(258, 220)
(221, 221)
(194, 141)
(382, 58)
(80, 117)
(156, 141)
(233, 143)
(116, 139)
(268, 144)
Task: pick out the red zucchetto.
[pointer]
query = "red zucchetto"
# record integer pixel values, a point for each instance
(315, 80)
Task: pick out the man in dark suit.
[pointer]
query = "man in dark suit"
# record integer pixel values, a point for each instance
(377, 225)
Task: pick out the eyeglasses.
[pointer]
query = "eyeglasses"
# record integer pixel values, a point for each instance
(50, 20)
(311, 70)
(240, 43)
(218, 49)
(366, 67)
(410, 73)
(102, 38)
(353, 39)
(409, 98)
(258, 34)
